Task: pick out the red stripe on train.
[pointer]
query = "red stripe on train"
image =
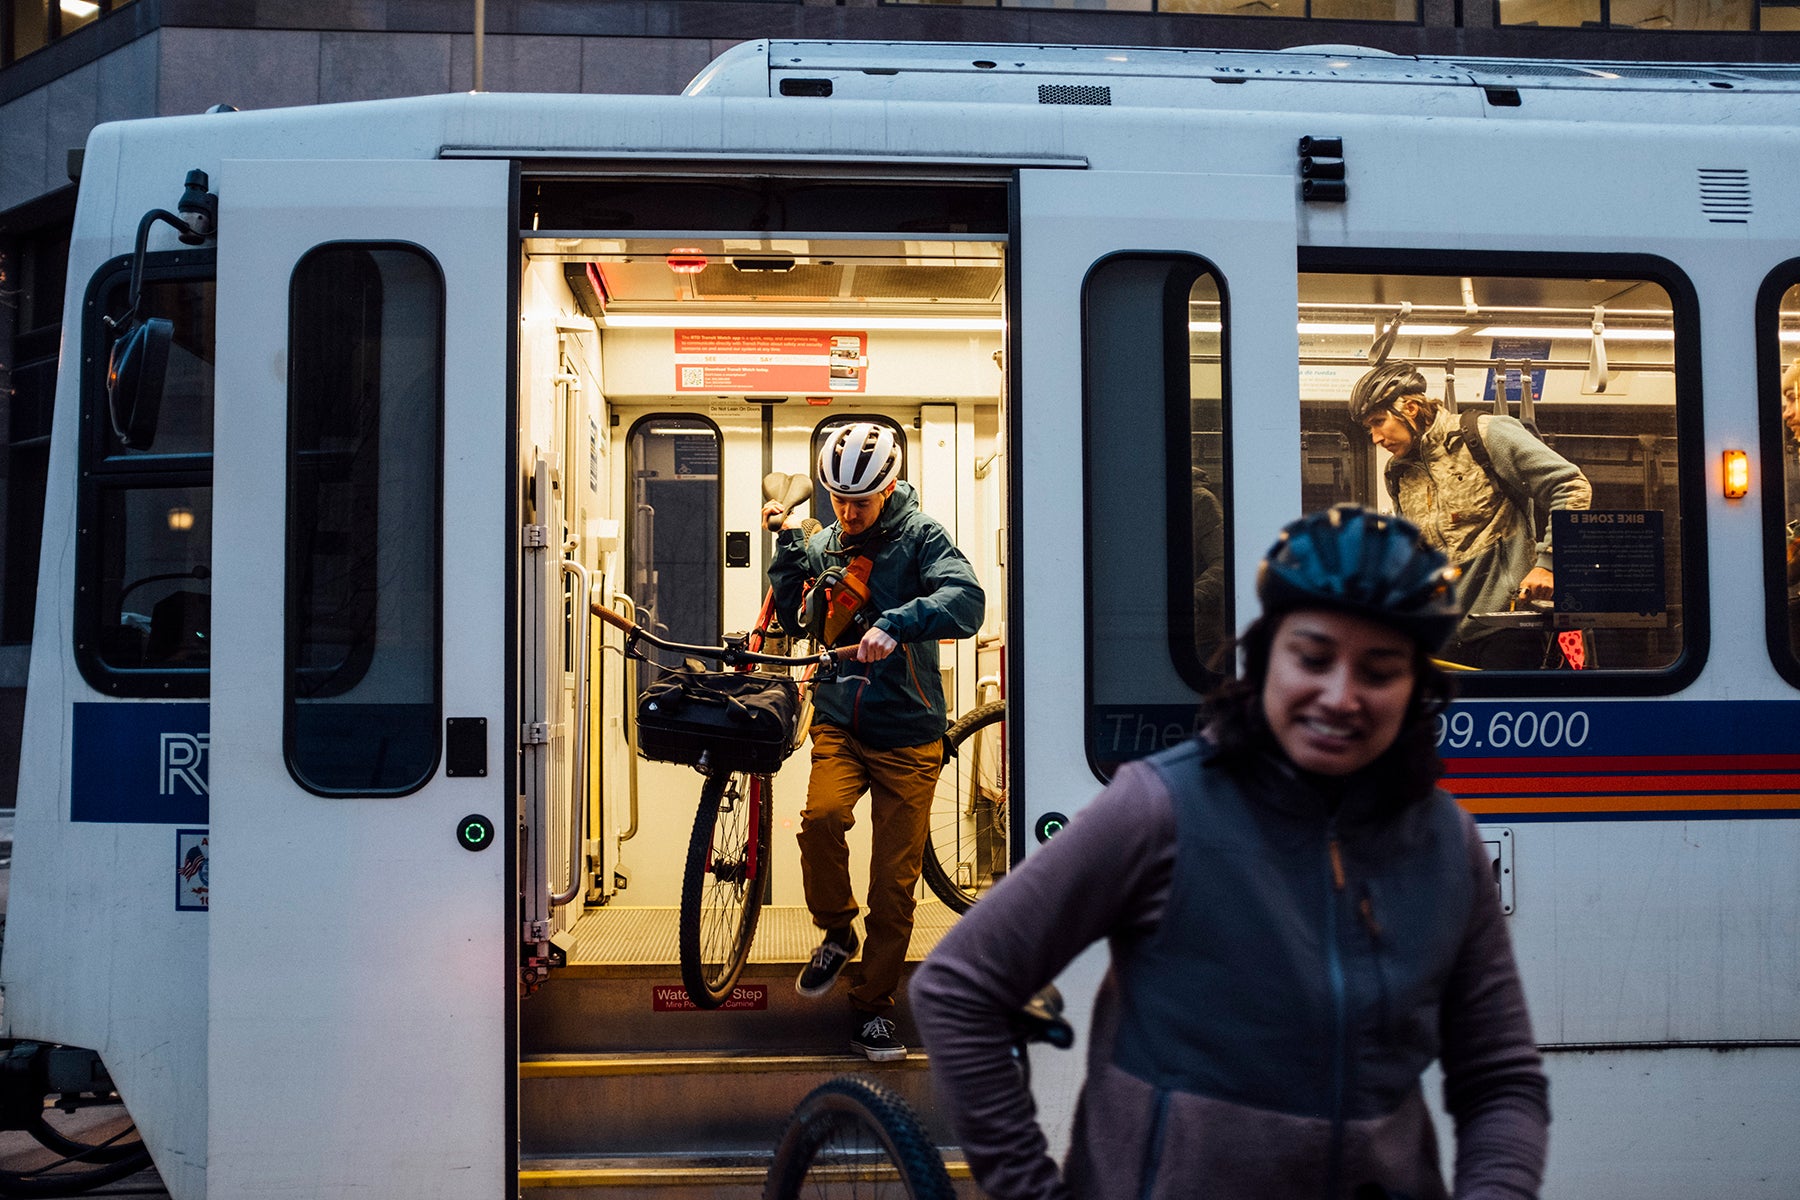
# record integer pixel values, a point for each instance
(1636, 764)
(1538, 785)
(1620, 804)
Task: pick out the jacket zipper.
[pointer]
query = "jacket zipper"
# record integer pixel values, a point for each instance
(1153, 1152)
(1339, 1018)
(1366, 907)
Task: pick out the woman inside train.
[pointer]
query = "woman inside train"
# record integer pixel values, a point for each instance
(1299, 922)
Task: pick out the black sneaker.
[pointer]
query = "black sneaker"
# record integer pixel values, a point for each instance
(838, 948)
(874, 1038)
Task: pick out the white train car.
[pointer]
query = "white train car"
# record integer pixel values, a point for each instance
(306, 636)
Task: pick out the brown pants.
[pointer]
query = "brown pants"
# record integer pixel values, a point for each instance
(900, 783)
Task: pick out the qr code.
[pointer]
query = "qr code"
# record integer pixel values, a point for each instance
(693, 377)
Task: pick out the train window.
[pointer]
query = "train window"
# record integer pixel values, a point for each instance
(1158, 550)
(672, 559)
(1781, 474)
(144, 549)
(1533, 427)
(364, 519)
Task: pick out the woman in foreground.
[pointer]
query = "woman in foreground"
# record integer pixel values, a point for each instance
(1299, 920)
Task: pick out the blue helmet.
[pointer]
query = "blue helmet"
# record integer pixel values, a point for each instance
(1351, 560)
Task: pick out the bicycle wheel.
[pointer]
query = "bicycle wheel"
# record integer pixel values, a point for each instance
(852, 1138)
(967, 846)
(722, 886)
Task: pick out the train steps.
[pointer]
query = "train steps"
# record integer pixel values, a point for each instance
(627, 1091)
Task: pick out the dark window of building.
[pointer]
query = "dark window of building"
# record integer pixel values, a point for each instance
(29, 25)
(32, 274)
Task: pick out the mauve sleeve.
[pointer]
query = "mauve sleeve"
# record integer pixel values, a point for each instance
(1105, 875)
(1494, 1084)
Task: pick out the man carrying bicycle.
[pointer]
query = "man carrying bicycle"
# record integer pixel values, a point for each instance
(887, 579)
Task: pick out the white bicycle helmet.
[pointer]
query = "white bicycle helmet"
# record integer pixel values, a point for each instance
(859, 460)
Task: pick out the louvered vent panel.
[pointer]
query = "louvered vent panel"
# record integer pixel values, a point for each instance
(1696, 74)
(1725, 195)
(1073, 93)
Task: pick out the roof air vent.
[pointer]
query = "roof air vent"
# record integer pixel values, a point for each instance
(1725, 195)
(1073, 93)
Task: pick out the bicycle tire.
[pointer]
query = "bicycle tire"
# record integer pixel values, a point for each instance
(722, 883)
(854, 1138)
(968, 839)
(105, 1162)
(51, 1138)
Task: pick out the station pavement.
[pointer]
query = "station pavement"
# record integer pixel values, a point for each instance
(20, 1151)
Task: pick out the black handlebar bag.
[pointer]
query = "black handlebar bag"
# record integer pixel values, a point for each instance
(744, 722)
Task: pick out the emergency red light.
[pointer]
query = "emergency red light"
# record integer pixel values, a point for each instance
(686, 260)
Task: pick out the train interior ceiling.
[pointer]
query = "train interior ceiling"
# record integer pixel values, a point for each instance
(662, 380)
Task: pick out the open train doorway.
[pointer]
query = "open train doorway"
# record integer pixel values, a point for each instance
(664, 381)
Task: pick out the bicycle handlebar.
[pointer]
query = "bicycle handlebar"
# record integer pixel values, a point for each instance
(732, 654)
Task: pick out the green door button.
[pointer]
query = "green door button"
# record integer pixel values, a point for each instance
(474, 832)
(1049, 825)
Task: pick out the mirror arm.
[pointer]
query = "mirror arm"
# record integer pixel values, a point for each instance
(198, 221)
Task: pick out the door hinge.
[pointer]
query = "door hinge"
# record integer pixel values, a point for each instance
(536, 537)
(535, 733)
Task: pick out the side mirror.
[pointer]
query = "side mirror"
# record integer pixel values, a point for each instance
(135, 373)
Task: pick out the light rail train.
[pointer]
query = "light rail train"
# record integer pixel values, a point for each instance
(343, 441)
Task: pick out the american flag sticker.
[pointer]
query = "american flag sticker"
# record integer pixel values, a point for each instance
(192, 855)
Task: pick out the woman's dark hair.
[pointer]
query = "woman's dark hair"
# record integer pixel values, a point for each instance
(1233, 717)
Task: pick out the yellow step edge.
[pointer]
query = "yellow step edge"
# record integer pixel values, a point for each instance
(575, 1177)
(590, 1068)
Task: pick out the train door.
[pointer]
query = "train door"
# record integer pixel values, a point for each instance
(708, 363)
(1171, 299)
(359, 937)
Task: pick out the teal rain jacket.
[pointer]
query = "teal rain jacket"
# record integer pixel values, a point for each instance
(924, 590)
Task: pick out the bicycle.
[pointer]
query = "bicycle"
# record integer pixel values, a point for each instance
(727, 865)
(968, 838)
(852, 1137)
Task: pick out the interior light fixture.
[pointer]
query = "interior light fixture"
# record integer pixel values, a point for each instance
(1332, 328)
(797, 321)
(181, 519)
(81, 9)
(1613, 333)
